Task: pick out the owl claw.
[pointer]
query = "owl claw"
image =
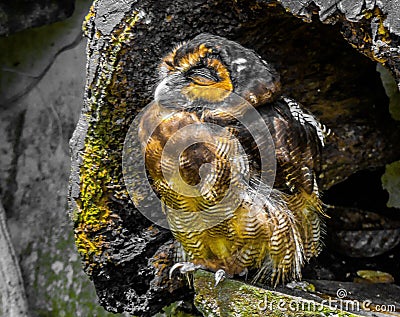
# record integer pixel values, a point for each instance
(184, 267)
(244, 273)
(220, 275)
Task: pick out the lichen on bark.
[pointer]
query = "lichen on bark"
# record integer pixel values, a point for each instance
(234, 298)
(100, 171)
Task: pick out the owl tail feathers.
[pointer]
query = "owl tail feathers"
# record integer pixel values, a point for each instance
(286, 254)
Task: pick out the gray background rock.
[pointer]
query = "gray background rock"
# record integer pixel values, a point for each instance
(43, 78)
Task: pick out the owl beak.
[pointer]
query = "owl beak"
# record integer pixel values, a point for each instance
(161, 88)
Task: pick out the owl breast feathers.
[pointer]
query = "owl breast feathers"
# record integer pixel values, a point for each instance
(206, 161)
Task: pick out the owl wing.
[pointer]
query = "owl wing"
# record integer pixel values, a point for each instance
(298, 139)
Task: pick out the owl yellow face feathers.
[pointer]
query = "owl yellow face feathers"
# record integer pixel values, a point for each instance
(216, 115)
(207, 78)
(212, 83)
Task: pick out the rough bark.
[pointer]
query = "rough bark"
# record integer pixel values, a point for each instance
(124, 254)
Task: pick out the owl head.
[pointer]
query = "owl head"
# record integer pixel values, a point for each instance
(210, 68)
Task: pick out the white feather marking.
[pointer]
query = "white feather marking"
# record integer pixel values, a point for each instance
(161, 88)
(239, 62)
(306, 118)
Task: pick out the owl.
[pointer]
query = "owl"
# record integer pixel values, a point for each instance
(233, 162)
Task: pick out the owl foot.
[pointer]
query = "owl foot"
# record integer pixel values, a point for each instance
(244, 273)
(185, 267)
(220, 275)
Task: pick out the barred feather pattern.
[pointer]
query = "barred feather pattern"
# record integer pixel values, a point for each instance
(262, 233)
(305, 117)
(272, 230)
(299, 138)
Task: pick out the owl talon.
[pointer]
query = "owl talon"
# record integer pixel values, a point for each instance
(244, 273)
(184, 267)
(220, 275)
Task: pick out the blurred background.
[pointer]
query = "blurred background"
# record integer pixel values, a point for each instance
(42, 78)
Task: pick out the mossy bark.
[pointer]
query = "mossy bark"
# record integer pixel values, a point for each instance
(317, 298)
(124, 254)
(234, 298)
